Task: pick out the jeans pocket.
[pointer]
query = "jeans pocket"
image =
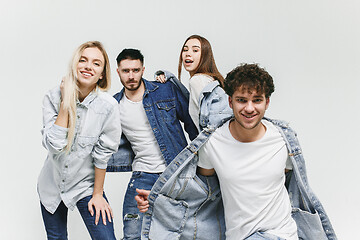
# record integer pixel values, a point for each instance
(168, 221)
(309, 225)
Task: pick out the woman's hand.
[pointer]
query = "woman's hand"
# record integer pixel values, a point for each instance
(101, 207)
(161, 78)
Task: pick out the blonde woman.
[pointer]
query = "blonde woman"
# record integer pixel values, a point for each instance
(81, 130)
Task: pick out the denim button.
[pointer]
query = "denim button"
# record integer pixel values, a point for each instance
(62, 191)
(63, 180)
(66, 166)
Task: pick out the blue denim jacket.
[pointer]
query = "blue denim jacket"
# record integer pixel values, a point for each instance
(213, 101)
(184, 205)
(164, 105)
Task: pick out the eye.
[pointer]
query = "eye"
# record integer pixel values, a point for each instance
(97, 64)
(82, 60)
(125, 70)
(241, 100)
(136, 70)
(185, 49)
(258, 100)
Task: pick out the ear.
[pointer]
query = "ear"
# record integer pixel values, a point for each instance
(267, 103)
(143, 69)
(118, 71)
(230, 102)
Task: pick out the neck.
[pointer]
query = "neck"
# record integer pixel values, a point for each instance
(83, 92)
(246, 135)
(135, 95)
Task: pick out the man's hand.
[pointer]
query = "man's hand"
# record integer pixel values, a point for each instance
(101, 206)
(142, 199)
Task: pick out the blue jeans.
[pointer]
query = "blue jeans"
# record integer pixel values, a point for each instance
(132, 217)
(56, 224)
(263, 236)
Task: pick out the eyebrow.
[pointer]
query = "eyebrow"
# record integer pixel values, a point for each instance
(93, 60)
(192, 46)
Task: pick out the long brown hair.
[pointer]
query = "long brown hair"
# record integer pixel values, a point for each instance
(207, 62)
(71, 90)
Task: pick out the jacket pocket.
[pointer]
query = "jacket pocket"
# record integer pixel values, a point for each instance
(168, 221)
(308, 224)
(86, 145)
(167, 110)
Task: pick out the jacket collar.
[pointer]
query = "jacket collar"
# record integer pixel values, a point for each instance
(149, 87)
(89, 98)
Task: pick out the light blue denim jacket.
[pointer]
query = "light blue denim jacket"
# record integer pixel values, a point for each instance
(184, 205)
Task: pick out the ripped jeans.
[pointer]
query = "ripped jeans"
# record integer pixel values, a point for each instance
(132, 217)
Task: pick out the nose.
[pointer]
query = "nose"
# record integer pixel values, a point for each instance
(131, 74)
(249, 108)
(88, 66)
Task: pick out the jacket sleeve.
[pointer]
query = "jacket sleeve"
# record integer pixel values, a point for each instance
(54, 137)
(182, 111)
(109, 139)
(169, 76)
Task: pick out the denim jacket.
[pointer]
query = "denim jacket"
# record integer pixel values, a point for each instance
(164, 105)
(213, 101)
(184, 205)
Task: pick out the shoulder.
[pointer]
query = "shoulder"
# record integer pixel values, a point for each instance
(106, 98)
(104, 102)
(53, 95)
(200, 79)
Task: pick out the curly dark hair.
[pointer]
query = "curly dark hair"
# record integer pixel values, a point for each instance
(250, 76)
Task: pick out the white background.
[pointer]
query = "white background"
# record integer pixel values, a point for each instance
(311, 48)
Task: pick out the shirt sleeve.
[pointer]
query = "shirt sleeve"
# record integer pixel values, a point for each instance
(196, 85)
(54, 136)
(203, 159)
(109, 139)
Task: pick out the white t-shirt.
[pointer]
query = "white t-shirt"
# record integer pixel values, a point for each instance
(196, 85)
(136, 127)
(252, 181)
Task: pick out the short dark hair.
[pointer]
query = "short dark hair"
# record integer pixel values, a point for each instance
(130, 53)
(250, 76)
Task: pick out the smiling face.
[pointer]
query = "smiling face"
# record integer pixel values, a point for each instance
(249, 108)
(191, 54)
(90, 68)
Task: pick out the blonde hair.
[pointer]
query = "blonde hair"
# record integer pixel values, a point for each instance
(71, 89)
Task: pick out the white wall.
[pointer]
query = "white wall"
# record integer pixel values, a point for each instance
(311, 48)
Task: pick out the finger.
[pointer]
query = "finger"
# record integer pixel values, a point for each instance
(90, 208)
(111, 212)
(103, 215)
(108, 213)
(97, 216)
(162, 79)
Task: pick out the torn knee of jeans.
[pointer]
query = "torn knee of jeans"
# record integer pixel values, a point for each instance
(130, 216)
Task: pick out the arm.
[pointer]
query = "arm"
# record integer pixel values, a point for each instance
(182, 111)
(107, 144)
(205, 172)
(142, 199)
(55, 122)
(109, 139)
(98, 201)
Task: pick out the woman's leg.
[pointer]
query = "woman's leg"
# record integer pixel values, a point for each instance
(97, 232)
(55, 224)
